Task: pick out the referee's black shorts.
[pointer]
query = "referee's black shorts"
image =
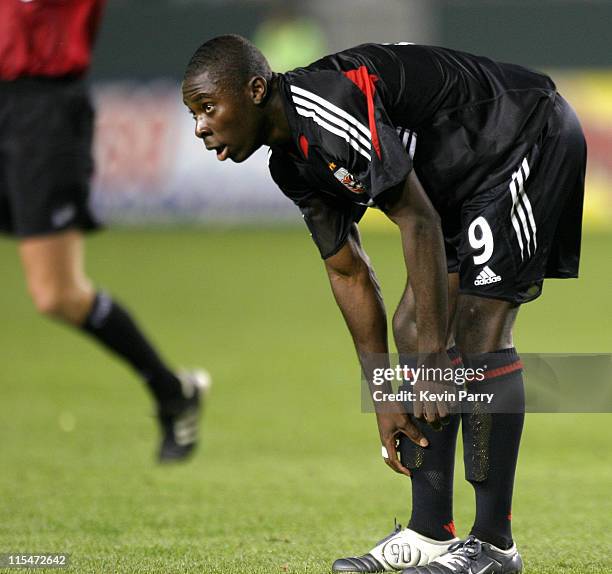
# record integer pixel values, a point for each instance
(508, 239)
(46, 130)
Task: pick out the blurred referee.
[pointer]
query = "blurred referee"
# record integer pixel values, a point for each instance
(46, 128)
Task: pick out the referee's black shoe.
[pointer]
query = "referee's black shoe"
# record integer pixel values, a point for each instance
(472, 556)
(180, 420)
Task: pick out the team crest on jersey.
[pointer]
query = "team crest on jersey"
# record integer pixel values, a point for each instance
(347, 179)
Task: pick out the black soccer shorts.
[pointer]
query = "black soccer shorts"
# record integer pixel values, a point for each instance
(46, 129)
(508, 239)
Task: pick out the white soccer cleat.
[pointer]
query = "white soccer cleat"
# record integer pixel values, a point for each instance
(401, 549)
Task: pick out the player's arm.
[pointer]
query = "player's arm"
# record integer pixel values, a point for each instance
(359, 298)
(410, 209)
(358, 295)
(423, 246)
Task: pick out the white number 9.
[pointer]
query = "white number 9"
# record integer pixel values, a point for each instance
(484, 240)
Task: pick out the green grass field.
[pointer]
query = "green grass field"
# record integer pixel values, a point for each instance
(289, 476)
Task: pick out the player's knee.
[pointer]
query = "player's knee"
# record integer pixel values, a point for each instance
(54, 302)
(405, 329)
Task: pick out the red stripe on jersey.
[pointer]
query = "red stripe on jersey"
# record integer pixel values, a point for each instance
(304, 145)
(365, 82)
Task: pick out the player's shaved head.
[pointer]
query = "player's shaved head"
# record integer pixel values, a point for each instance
(230, 61)
(233, 97)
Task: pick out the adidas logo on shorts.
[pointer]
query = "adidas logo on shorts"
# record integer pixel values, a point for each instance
(486, 276)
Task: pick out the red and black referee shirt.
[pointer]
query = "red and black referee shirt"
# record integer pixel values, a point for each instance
(47, 38)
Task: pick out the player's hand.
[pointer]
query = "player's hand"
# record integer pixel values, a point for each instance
(390, 426)
(432, 395)
(436, 412)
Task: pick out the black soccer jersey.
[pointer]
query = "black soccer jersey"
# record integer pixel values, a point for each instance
(362, 119)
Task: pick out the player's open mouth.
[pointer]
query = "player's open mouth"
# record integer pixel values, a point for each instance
(222, 152)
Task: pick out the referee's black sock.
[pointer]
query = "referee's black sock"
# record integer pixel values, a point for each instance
(432, 475)
(491, 438)
(112, 326)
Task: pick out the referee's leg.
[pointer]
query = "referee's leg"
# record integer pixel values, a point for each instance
(47, 175)
(55, 274)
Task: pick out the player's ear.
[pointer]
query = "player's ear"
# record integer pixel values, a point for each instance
(258, 89)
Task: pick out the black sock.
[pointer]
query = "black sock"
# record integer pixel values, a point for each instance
(491, 438)
(112, 326)
(432, 475)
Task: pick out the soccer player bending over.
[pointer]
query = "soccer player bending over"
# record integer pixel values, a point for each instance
(481, 167)
(46, 125)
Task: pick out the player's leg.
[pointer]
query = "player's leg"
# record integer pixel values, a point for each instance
(404, 318)
(515, 235)
(431, 529)
(432, 467)
(526, 233)
(491, 435)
